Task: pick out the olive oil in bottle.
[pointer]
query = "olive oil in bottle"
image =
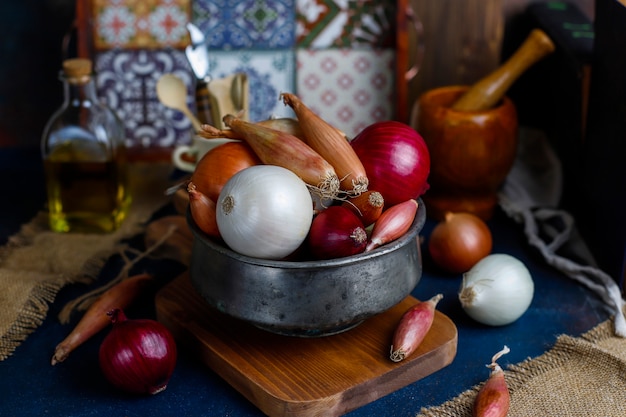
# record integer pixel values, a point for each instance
(84, 158)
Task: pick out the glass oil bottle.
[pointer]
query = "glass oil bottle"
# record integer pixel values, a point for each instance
(84, 158)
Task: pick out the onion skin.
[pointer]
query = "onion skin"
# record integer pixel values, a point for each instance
(203, 211)
(368, 206)
(396, 159)
(275, 147)
(412, 328)
(493, 399)
(95, 318)
(393, 223)
(219, 164)
(459, 241)
(137, 356)
(284, 124)
(331, 144)
(264, 212)
(335, 233)
(497, 290)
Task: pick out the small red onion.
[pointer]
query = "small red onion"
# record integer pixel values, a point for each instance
(335, 233)
(396, 159)
(137, 356)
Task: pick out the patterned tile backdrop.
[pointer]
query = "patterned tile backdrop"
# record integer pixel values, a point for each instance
(337, 55)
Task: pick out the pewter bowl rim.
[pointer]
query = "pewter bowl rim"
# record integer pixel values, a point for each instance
(418, 224)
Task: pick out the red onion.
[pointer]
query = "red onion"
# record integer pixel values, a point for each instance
(137, 356)
(396, 160)
(336, 232)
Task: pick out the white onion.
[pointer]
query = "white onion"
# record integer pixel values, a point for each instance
(497, 290)
(264, 211)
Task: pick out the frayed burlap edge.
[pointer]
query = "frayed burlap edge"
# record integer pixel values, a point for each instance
(148, 182)
(32, 315)
(36, 306)
(520, 374)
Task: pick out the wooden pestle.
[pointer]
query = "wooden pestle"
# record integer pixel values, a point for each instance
(489, 90)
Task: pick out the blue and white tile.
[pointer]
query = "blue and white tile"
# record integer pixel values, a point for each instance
(269, 74)
(246, 24)
(126, 80)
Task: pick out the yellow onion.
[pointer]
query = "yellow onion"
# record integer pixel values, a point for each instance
(459, 241)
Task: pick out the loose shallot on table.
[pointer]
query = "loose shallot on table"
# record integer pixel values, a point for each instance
(412, 328)
(493, 398)
(95, 318)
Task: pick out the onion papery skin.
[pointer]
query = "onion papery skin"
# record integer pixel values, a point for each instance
(459, 241)
(265, 212)
(336, 233)
(396, 159)
(497, 290)
(137, 356)
(218, 165)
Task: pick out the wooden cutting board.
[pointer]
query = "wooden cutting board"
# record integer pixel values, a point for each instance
(292, 376)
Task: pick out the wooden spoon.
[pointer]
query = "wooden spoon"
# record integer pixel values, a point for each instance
(172, 93)
(488, 91)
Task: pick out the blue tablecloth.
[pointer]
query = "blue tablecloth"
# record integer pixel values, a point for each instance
(30, 386)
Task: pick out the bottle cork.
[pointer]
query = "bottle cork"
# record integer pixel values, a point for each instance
(77, 67)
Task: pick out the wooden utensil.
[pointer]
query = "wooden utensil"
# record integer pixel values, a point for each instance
(172, 93)
(488, 91)
(229, 95)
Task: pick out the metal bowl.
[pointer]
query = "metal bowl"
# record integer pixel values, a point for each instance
(308, 298)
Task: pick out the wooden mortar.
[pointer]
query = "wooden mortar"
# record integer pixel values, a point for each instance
(471, 133)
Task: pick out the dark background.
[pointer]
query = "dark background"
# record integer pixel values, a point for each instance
(32, 33)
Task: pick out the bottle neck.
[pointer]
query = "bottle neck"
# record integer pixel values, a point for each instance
(79, 91)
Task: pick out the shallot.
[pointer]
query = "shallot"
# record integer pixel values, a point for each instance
(493, 399)
(274, 147)
(95, 318)
(331, 144)
(137, 356)
(393, 223)
(412, 328)
(368, 206)
(203, 211)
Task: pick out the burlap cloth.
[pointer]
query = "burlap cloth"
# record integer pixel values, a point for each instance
(584, 376)
(36, 263)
